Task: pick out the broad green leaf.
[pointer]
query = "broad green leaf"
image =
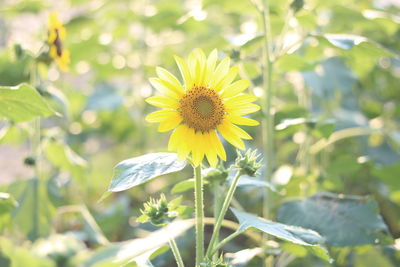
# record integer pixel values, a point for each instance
(296, 235)
(127, 251)
(63, 157)
(22, 103)
(245, 181)
(242, 257)
(135, 171)
(7, 205)
(22, 255)
(185, 186)
(32, 218)
(349, 41)
(342, 220)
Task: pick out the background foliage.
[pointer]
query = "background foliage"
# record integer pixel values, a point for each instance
(336, 109)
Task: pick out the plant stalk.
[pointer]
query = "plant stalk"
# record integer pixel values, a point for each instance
(36, 180)
(225, 241)
(176, 252)
(199, 207)
(222, 212)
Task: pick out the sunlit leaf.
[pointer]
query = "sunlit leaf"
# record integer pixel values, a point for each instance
(135, 171)
(296, 235)
(22, 103)
(129, 250)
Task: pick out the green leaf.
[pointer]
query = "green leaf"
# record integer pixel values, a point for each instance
(21, 255)
(30, 218)
(63, 157)
(7, 203)
(342, 220)
(130, 250)
(242, 257)
(22, 103)
(185, 185)
(245, 181)
(296, 235)
(349, 41)
(135, 171)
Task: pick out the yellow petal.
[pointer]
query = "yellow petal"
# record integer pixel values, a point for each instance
(217, 145)
(183, 148)
(164, 87)
(211, 152)
(240, 99)
(198, 148)
(238, 131)
(161, 115)
(230, 76)
(185, 72)
(241, 120)
(172, 122)
(201, 66)
(242, 109)
(163, 102)
(230, 136)
(220, 72)
(235, 88)
(210, 66)
(171, 79)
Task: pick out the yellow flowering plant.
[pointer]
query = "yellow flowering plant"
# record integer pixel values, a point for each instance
(208, 103)
(56, 37)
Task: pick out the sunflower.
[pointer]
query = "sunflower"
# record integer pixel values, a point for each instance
(57, 34)
(207, 103)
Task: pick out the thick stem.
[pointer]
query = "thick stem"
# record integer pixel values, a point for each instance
(176, 252)
(222, 213)
(199, 207)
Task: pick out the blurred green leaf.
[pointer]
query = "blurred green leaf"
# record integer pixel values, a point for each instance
(63, 157)
(22, 103)
(185, 186)
(342, 220)
(135, 171)
(296, 235)
(33, 219)
(19, 256)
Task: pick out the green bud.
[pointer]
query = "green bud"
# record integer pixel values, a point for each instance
(218, 175)
(30, 161)
(248, 163)
(160, 212)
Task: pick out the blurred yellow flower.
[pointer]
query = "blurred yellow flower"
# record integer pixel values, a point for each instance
(57, 34)
(210, 101)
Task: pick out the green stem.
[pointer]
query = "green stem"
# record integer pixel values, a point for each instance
(36, 180)
(268, 118)
(217, 208)
(176, 253)
(198, 202)
(224, 241)
(222, 213)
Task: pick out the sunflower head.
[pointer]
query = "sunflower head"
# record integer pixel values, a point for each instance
(57, 34)
(207, 103)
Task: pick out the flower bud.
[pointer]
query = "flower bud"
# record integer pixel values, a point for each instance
(248, 163)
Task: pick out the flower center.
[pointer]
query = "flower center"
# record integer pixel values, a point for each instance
(58, 44)
(201, 109)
